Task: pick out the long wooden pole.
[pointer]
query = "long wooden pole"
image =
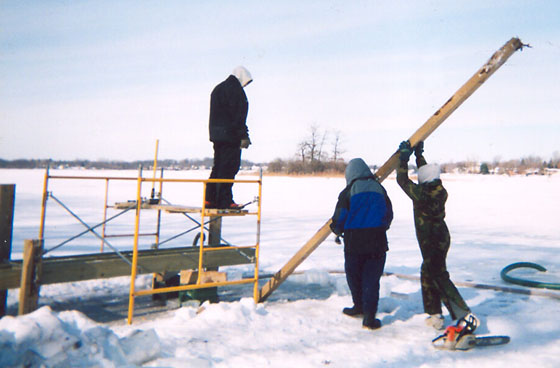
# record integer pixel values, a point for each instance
(482, 74)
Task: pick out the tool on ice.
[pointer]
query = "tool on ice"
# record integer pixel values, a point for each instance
(462, 337)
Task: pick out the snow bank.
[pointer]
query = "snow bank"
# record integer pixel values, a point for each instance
(68, 339)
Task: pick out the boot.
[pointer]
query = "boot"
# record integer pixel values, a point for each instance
(436, 321)
(352, 312)
(371, 323)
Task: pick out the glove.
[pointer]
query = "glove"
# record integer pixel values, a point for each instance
(405, 151)
(245, 142)
(419, 149)
(337, 240)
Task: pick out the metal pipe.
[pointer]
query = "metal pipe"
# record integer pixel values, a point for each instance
(89, 229)
(201, 247)
(155, 168)
(135, 249)
(44, 204)
(193, 286)
(198, 223)
(104, 213)
(83, 232)
(256, 295)
(158, 226)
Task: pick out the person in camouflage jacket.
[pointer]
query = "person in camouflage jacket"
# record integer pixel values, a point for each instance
(429, 197)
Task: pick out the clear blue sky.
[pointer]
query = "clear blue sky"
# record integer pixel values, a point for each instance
(105, 79)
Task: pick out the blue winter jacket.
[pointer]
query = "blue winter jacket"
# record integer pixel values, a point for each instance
(363, 212)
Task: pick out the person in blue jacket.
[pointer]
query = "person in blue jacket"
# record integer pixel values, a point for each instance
(362, 216)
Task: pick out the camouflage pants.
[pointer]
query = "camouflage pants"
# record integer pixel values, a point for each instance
(436, 284)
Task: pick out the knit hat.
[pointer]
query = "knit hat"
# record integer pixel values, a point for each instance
(243, 75)
(428, 173)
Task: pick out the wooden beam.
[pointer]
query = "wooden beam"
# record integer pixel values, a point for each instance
(169, 208)
(214, 235)
(481, 75)
(30, 276)
(495, 62)
(7, 199)
(308, 248)
(106, 265)
(188, 277)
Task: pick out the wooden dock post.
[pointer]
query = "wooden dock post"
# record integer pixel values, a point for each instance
(7, 200)
(30, 276)
(215, 231)
(214, 240)
(495, 62)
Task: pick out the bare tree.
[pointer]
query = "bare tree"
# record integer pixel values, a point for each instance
(337, 151)
(303, 147)
(311, 150)
(312, 146)
(313, 142)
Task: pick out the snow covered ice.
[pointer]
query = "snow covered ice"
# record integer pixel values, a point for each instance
(494, 221)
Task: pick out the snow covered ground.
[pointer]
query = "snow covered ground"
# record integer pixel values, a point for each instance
(494, 221)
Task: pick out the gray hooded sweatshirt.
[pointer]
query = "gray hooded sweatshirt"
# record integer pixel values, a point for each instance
(363, 212)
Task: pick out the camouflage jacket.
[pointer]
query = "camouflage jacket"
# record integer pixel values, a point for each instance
(428, 199)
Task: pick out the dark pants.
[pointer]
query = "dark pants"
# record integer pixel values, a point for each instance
(362, 274)
(437, 287)
(227, 158)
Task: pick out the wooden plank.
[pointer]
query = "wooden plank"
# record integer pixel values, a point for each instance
(214, 234)
(106, 265)
(308, 248)
(30, 277)
(188, 277)
(215, 231)
(162, 207)
(481, 75)
(496, 61)
(7, 200)
(181, 209)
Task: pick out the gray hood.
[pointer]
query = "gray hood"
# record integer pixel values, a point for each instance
(357, 168)
(243, 75)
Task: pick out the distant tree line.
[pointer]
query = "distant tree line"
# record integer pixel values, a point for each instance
(527, 165)
(186, 164)
(319, 152)
(301, 165)
(524, 166)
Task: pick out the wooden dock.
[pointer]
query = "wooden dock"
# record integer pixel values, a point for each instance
(106, 265)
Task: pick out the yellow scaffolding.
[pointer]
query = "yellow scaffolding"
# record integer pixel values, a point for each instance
(204, 212)
(156, 204)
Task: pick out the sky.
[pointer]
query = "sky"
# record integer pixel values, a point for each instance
(107, 79)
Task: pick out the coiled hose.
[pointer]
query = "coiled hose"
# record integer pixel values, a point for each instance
(530, 283)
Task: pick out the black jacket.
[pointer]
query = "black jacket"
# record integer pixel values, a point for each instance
(228, 112)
